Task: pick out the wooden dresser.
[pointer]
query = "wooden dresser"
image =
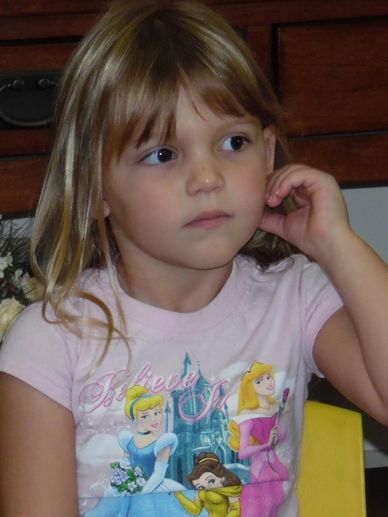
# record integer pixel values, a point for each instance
(327, 60)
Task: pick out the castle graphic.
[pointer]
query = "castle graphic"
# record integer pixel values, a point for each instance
(199, 423)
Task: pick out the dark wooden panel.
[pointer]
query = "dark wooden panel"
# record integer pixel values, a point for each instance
(240, 12)
(354, 160)
(35, 57)
(21, 182)
(36, 7)
(334, 77)
(288, 11)
(259, 39)
(24, 142)
(38, 27)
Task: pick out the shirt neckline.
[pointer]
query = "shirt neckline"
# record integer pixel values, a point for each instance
(219, 309)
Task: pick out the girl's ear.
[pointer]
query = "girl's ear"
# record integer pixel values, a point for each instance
(269, 137)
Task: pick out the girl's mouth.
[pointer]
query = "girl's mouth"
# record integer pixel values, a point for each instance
(208, 220)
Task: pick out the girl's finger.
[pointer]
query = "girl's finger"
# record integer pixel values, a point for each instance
(275, 180)
(296, 180)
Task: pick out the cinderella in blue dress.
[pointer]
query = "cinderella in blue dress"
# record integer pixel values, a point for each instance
(154, 497)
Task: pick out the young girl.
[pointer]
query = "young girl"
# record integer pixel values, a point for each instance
(161, 242)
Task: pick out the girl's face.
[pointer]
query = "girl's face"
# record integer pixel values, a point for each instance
(207, 481)
(264, 385)
(149, 420)
(192, 202)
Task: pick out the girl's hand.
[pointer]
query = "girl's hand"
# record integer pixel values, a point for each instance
(320, 219)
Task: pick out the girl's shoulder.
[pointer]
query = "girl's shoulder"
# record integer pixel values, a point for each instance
(36, 316)
(31, 320)
(36, 351)
(295, 285)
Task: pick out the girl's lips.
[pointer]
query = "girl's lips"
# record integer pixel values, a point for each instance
(208, 220)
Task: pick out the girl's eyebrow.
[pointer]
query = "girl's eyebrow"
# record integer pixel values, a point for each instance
(154, 140)
(247, 120)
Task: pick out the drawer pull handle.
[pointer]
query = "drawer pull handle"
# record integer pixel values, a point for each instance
(33, 87)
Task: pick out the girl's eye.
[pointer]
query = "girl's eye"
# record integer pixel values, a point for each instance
(234, 143)
(161, 155)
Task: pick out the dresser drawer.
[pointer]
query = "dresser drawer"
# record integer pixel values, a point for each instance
(18, 61)
(354, 160)
(23, 180)
(333, 77)
(35, 56)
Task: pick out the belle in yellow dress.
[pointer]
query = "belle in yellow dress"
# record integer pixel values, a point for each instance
(218, 489)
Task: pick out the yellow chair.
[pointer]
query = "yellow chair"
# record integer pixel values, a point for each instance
(331, 480)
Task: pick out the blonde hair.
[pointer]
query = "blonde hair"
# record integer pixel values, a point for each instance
(248, 398)
(121, 85)
(138, 399)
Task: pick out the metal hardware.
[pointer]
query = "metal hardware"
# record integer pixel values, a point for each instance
(27, 99)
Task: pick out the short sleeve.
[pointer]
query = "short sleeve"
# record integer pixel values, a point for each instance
(320, 301)
(36, 352)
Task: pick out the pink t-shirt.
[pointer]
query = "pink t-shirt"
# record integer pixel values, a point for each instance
(230, 380)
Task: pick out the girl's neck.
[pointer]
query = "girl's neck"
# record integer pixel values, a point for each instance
(175, 289)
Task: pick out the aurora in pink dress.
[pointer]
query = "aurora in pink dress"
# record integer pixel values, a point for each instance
(265, 495)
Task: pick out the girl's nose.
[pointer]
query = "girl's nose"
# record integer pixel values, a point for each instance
(205, 177)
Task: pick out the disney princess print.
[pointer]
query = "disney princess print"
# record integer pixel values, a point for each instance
(190, 446)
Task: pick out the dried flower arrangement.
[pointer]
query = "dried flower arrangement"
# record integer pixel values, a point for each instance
(17, 287)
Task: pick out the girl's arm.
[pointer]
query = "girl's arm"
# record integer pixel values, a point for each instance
(351, 349)
(37, 450)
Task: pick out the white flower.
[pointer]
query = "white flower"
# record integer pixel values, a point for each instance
(32, 289)
(6, 261)
(17, 275)
(9, 309)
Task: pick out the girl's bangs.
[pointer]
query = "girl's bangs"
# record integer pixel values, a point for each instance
(149, 111)
(140, 113)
